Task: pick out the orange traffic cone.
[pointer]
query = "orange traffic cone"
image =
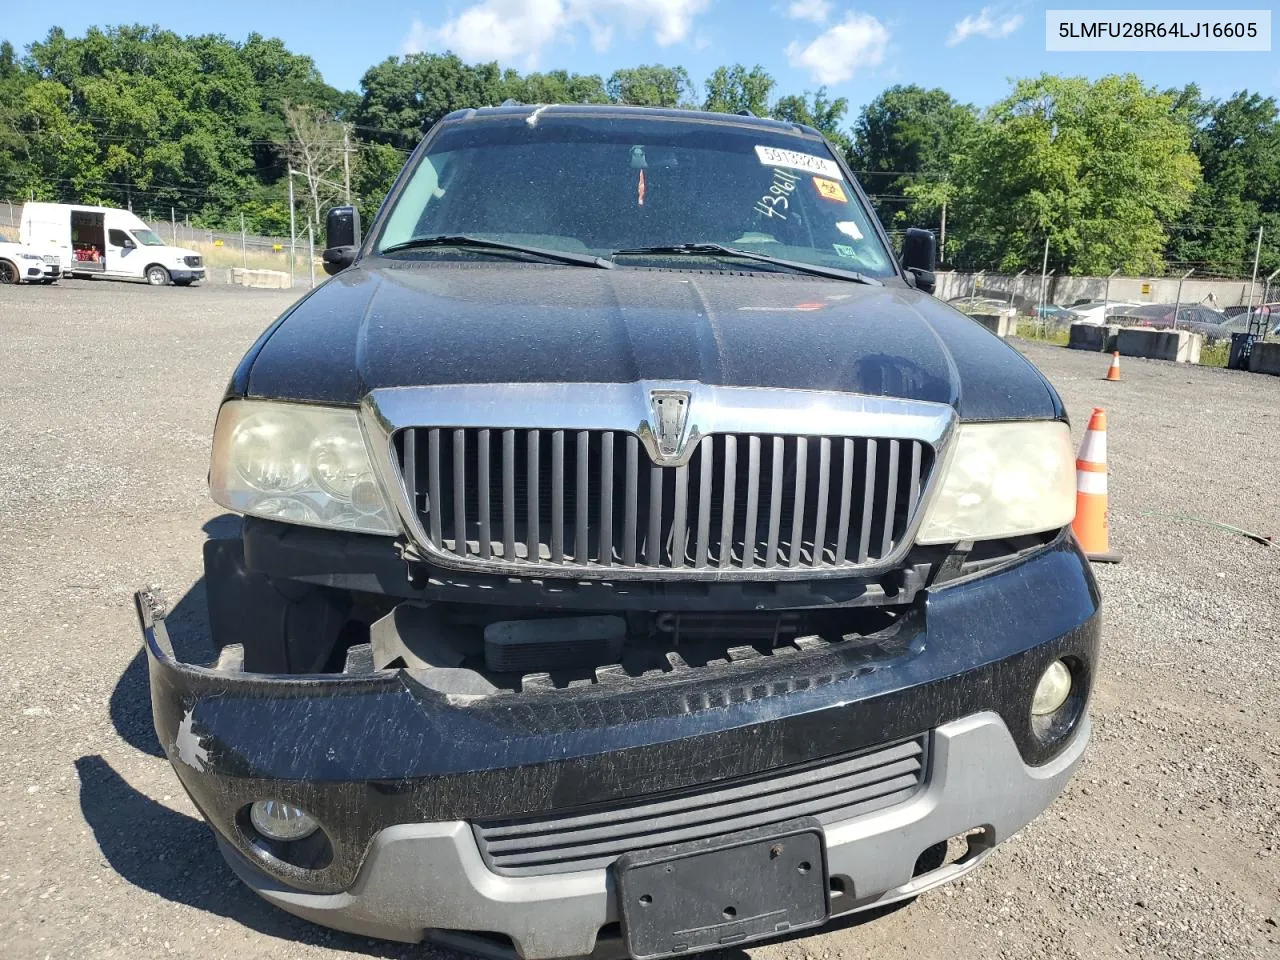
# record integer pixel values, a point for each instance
(1113, 371)
(1090, 524)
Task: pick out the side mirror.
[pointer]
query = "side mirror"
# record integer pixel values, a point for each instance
(129, 245)
(919, 257)
(342, 238)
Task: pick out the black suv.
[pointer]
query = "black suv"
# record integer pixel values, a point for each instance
(635, 556)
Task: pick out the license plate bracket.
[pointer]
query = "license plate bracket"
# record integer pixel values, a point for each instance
(723, 891)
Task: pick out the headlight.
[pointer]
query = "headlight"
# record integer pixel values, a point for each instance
(1002, 480)
(31, 256)
(296, 463)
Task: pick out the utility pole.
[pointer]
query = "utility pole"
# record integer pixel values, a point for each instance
(1178, 302)
(311, 254)
(1106, 297)
(1257, 250)
(244, 250)
(1044, 276)
(942, 240)
(173, 221)
(346, 163)
(293, 232)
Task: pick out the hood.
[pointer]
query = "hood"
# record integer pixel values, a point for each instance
(397, 323)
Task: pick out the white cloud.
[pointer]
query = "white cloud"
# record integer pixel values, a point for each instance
(518, 30)
(816, 11)
(859, 41)
(987, 22)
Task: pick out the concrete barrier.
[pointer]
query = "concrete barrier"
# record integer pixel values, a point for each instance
(1002, 324)
(1181, 346)
(1092, 336)
(269, 279)
(1265, 358)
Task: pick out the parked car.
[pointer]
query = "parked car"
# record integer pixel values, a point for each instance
(105, 242)
(611, 535)
(1052, 313)
(1265, 318)
(20, 264)
(979, 304)
(1092, 311)
(1196, 319)
(1268, 309)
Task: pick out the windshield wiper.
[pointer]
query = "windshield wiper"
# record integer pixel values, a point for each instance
(719, 249)
(459, 240)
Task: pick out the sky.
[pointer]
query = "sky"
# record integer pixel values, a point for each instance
(970, 49)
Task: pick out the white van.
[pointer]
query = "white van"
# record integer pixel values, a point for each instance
(105, 242)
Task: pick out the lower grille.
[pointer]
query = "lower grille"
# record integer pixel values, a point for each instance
(591, 501)
(834, 789)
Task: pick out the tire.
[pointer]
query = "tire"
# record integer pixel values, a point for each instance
(157, 276)
(9, 273)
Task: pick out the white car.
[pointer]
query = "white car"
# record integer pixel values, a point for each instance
(1091, 311)
(106, 242)
(21, 264)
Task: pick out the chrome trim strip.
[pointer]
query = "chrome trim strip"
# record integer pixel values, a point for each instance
(626, 407)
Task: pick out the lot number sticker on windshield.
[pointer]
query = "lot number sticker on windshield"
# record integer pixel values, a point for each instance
(830, 189)
(774, 157)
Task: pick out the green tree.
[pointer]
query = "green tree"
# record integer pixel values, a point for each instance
(735, 89)
(905, 143)
(555, 86)
(15, 144)
(1097, 167)
(1237, 142)
(651, 86)
(819, 111)
(404, 96)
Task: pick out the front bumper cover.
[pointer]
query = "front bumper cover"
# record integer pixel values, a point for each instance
(377, 758)
(420, 877)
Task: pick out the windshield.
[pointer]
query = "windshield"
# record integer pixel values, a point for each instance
(147, 237)
(596, 185)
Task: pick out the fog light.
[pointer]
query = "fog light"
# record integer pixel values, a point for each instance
(279, 821)
(1052, 690)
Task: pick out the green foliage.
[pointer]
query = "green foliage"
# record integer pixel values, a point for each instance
(734, 89)
(1097, 167)
(905, 146)
(555, 86)
(651, 86)
(1237, 142)
(1115, 174)
(1215, 354)
(404, 96)
(819, 111)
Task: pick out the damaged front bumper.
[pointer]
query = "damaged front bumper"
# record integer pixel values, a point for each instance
(403, 779)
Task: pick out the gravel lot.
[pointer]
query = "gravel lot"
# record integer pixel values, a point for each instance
(1167, 844)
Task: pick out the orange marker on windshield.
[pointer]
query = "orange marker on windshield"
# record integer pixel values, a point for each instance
(640, 191)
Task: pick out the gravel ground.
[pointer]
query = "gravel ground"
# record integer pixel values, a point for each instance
(1166, 844)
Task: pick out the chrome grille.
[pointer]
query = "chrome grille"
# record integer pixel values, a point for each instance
(832, 790)
(550, 500)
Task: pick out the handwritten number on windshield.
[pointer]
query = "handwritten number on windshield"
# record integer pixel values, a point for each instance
(775, 201)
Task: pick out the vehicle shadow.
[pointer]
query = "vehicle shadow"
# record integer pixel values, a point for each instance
(188, 624)
(168, 853)
(173, 856)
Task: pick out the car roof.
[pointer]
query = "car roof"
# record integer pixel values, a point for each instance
(617, 111)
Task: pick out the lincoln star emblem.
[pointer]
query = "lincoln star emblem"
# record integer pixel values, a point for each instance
(669, 411)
